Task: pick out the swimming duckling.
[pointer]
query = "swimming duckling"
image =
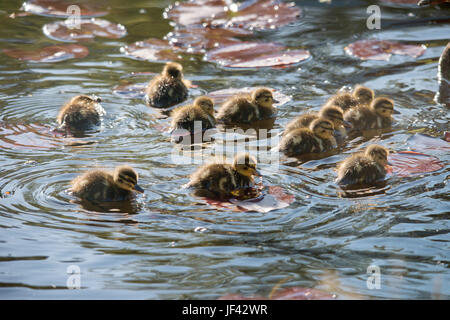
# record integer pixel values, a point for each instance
(219, 180)
(343, 100)
(315, 139)
(246, 108)
(363, 168)
(363, 94)
(100, 185)
(376, 116)
(168, 88)
(201, 110)
(82, 112)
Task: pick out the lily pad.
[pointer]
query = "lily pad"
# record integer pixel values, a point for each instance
(89, 29)
(423, 142)
(408, 163)
(49, 54)
(254, 55)
(382, 49)
(154, 50)
(220, 96)
(62, 8)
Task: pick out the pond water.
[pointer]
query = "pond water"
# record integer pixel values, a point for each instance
(171, 245)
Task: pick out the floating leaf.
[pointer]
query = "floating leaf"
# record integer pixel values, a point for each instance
(254, 55)
(63, 8)
(407, 163)
(220, 96)
(195, 12)
(49, 54)
(447, 136)
(154, 50)
(88, 29)
(382, 50)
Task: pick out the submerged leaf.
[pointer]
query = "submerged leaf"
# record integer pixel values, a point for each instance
(407, 163)
(382, 49)
(49, 54)
(154, 50)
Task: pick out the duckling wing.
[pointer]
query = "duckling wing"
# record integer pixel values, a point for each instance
(216, 178)
(359, 169)
(94, 185)
(298, 142)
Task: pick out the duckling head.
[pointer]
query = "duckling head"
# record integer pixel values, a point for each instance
(263, 97)
(322, 128)
(378, 154)
(245, 164)
(384, 107)
(334, 114)
(363, 94)
(174, 70)
(84, 99)
(207, 104)
(126, 178)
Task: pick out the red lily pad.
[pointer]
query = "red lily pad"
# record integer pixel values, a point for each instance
(49, 54)
(256, 14)
(424, 142)
(294, 293)
(89, 29)
(154, 50)
(61, 8)
(254, 55)
(200, 39)
(447, 136)
(220, 96)
(382, 49)
(407, 163)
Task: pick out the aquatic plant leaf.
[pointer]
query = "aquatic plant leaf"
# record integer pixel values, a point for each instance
(49, 54)
(195, 11)
(423, 142)
(154, 50)
(61, 8)
(382, 50)
(89, 29)
(255, 55)
(220, 96)
(407, 163)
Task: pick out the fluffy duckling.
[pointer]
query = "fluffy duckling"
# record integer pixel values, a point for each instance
(100, 185)
(219, 180)
(376, 116)
(201, 110)
(315, 139)
(363, 168)
(82, 112)
(168, 88)
(363, 94)
(343, 100)
(246, 108)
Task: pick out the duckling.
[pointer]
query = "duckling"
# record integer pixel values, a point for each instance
(201, 110)
(443, 95)
(343, 100)
(363, 94)
(100, 185)
(363, 168)
(82, 112)
(219, 180)
(315, 139)
(376, 116)
(246, 108)
(168, 88)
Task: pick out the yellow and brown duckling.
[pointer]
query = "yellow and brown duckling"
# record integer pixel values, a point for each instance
(101, 185)
(202, 110)
(363, 94)
(315, 139)
(168, 88)
(364, 168)
(244, 108)
(219, 180)
(82, 112)
(376, 116)
(344, 100)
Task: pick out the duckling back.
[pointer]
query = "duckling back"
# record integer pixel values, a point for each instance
(238, 109)
(303, 121)
(300, 141)
(359, 169)
(185, 118)
(80, 113)
(165, 91)
(98, 185)
(361, 118)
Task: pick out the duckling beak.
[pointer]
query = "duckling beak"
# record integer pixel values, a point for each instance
(257, 173)
(275, 101)
(348, 125)
(395, 112)
(138, 189)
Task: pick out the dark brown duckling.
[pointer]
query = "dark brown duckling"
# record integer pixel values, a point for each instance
(244, 108)
(168, 88)
(202, 110)
(219, 180)
(315, 139)
(363, 168)
(376, 116)
(82, 112)
(100, 185)
(363, 94)
(343, 100)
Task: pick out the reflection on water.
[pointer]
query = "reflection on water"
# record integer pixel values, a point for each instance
(168, 244)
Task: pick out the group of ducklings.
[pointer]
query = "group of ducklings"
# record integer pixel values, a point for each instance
(309, 133)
